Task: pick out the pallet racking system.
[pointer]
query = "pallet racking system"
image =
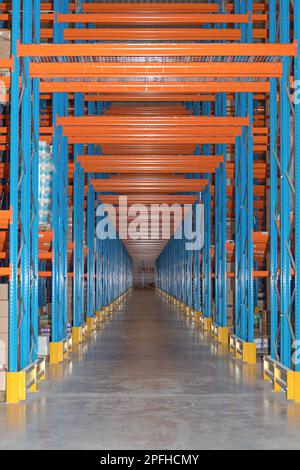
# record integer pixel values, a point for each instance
(161, 102)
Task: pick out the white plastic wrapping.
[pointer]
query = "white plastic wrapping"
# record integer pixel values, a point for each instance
(46, 169)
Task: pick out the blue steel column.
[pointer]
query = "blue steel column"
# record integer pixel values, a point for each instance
(196, 253)
(285, 192)
(250, 285)
(91, 234)
(99, 272)
(220, 245)
(184, 266)
(250, 264)
(220, 223)
(105, 272)
(25, 220)
(223, 234)
(34, 189)
(217, 246)
(206, 265)
(189, 265)
(297, 179)
(14, 192)
(99, 242)
(78, 227)
(243, 222)
(59, 202)
(64, 224)
(273, 195)
(237, 178)
(244, 290)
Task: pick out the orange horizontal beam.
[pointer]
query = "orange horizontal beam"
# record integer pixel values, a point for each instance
(5, 272)
(192, 69)
(43, 16)
(143, 7)
(158, 120)
(132, 7)
(162, 50)
(160, 186)
(149, 199)
(147, 34)
(149, 97)
(148, 149)
(45, 274)
(6, 64)
(256, 274)
(148, 7)
(145, 131)
(158, 18)
(151, 139)
(150, 159)
(196, 165)
(46, 256)
(136, 87)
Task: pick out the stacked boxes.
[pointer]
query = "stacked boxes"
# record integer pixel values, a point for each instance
(45, 185)
(43, 346)
(70, 300)
(44, 330)
(230, 298)
(5, 47)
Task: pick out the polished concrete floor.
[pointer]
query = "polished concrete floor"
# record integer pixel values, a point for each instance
(150, 380)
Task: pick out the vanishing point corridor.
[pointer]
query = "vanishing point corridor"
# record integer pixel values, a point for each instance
(150, 379)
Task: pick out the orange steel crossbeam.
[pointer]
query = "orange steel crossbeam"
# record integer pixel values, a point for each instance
(144, 165)
(152, 87)
(149, 131)
(154, 97)
(6, 64)
(159, 18)
(162, 34)
(152, 186)
(143, 7)
(171, 120)
(192, 69)
(148, 199)
(149, 97)
(157, 50)
(195, 164)
(152, 139)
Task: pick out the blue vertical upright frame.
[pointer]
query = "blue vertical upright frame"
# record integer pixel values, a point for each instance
(14, 193)
(25, 200)
(297, 178)
(34, 191)
(206, 265)
(285, 191)
(91, 233)
(274, 158)
(59, 201)
(78, 224)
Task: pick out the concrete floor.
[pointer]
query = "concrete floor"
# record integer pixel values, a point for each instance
(150, 380)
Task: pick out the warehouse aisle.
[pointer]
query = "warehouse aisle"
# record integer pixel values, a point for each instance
(148, 380)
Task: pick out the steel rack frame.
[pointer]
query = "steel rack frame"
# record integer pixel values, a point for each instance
(216, 81)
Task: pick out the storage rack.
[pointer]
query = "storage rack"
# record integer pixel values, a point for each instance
(215, 71)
